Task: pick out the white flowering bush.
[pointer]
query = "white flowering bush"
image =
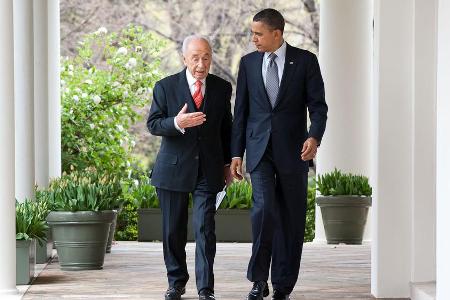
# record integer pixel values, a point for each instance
(101, 89)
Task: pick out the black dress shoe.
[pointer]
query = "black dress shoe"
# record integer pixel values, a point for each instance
(277, 295)
(206, 294)
(259, 290)
(174, 293)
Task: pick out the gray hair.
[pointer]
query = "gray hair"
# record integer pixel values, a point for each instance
(187, 40)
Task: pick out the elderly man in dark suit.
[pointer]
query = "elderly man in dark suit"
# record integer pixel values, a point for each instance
(277, 85)
(191, 111)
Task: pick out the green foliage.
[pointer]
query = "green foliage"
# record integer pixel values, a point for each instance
(126, 228)
(142, 193)
(310, 227)
(30, 220)
(84, 191)
(338, 183)
(102, 89)
(239, 195)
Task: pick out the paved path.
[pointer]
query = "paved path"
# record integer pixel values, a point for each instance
(136, 271)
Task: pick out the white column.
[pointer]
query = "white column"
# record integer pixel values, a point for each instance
(424, 187)
(345, 54)
(54, 97)
(41, 111)
(443, 150)
(24, 98)
(7, 209)
(392, 161)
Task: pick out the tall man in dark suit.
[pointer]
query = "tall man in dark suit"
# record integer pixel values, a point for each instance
(276, 87)
(191, 111)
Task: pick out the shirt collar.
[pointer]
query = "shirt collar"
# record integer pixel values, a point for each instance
(191, 80)
(280, 52)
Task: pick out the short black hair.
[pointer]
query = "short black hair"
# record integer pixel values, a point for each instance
(271, 17)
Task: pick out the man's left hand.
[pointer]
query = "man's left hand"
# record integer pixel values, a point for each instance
(228, 176)
(309, 149)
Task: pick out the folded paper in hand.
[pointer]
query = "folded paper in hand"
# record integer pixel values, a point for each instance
(220, 196)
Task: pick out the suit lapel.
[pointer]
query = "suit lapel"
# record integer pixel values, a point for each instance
(289, 68)
(184, 88)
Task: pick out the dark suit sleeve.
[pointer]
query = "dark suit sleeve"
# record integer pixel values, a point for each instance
(315, 99)
(158, 122)
(240, 113)
(226, 126)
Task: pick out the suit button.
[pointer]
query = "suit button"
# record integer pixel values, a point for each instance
(196, 157)
(199, 138)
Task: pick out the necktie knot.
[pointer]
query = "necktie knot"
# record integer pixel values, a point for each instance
(272, 57)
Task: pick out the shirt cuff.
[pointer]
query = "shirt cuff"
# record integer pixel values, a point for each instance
(178, 127)
(237, 157)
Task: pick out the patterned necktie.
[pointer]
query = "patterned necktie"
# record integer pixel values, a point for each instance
(272, 80)
(198, 97)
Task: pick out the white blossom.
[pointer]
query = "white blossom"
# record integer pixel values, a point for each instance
(122, 51)
(132, 62)
(70, 73)
(92, 126)
(136, 182)
(125, 94)
(133, 143)
(115, 84)
(128, 164)
(88, 81)
(84, 95)
(102, 30)
(96, 99)
(120, 128)
(75, 98)
(70, 67)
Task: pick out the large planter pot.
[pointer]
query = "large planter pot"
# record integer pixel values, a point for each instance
(25, 261)
(344, 217)
(44, 251)
(112, 230)
(80, 238)
(232, 225)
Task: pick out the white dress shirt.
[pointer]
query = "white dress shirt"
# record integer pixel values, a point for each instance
(280, 59)
(191, 83)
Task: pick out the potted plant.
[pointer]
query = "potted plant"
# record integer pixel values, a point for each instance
(83, 205)
(30, 226)
(344, 201)
(233, 223)
(149, 221)
(44, 250)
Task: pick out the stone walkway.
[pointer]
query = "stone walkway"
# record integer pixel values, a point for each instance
(136, 271)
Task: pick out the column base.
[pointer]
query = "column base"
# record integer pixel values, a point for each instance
(423, 290)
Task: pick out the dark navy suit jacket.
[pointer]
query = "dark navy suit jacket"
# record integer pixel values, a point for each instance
(255, 122)
(208, 145)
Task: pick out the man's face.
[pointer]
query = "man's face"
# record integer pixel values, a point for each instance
(198, 58)
(265, 38)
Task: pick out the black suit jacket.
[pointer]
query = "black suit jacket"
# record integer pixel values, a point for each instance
(208, 145)
(255, 122)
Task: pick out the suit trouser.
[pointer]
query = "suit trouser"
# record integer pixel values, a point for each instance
(174, 206)
(278, 223)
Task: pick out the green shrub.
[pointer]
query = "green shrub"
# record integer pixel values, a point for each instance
(84, 191)
(126, 228)
(310, 226)
(239, 195)
(30, 220)
(102, 89)
(337, 183)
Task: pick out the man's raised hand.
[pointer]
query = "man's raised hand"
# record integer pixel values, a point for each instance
(185, 120)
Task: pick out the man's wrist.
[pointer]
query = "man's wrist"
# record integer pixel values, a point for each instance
(182, 130)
